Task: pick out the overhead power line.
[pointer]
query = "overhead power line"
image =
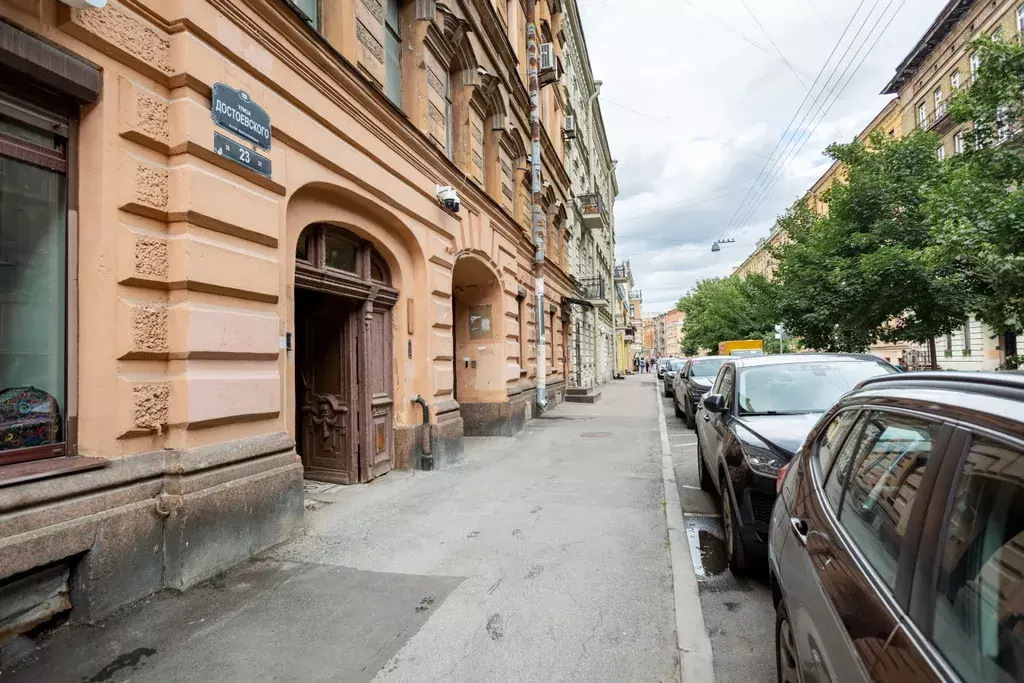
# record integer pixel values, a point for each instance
(605, 100)
(822, 111)
(766, 35)
(779, 149)
(786, 139)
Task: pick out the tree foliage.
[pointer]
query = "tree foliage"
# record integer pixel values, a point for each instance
(910, 243)
(721, 309)
(976, 207)
(863, 271)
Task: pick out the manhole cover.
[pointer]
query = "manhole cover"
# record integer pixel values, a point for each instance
(596, 435)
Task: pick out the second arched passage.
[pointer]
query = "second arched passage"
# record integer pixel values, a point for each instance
(479, 336)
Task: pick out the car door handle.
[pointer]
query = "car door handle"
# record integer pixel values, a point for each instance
(802, 533)
(799, 527)
(707, 418)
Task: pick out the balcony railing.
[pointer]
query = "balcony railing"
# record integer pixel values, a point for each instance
(623, 274)
(939, 120)
(592, 209)
(593, 289)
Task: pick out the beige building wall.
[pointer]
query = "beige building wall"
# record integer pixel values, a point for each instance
(181, 357)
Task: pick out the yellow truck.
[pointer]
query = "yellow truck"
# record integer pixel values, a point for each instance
(744, 347)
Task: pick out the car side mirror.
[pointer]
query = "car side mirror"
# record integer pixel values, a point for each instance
(715, 403)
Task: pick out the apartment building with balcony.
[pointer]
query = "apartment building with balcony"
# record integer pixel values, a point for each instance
(227, 267)
(591, 220)
(941, 63)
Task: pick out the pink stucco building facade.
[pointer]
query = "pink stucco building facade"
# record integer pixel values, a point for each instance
(198, 335)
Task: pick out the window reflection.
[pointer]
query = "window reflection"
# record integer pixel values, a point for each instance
(32, 304)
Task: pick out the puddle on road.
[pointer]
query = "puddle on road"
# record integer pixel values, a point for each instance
(707, 549)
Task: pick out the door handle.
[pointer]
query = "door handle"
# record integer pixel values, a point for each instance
(707, 418)
(802, 533)
(799, 527)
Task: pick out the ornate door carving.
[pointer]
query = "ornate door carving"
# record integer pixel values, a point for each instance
(325, 374)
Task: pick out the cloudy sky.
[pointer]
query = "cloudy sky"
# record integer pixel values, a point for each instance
(697, 96)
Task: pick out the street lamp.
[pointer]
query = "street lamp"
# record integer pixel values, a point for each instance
(716, 247)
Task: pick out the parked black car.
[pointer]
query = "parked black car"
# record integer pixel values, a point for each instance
(693, 381)
(750, 424)
(897, 543)
(669, 374)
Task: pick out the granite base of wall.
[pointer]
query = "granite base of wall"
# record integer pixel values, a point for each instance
(169, 519)
(447, 446)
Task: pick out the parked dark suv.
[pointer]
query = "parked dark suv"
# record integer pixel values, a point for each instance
(751, 423)
(693, 381)
(897, 543)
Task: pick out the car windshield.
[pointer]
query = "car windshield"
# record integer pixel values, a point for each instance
(801, 387)
(706, 368)
(675, 364)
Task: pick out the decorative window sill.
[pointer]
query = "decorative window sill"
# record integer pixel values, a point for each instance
(22, 472)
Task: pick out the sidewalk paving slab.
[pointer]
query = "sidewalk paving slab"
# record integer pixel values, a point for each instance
(545, 555)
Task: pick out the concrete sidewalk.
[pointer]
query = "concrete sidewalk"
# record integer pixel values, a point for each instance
(541, 557)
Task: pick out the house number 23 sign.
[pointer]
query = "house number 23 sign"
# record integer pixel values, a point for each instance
(235, 111)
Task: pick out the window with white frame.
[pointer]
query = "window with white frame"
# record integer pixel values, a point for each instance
(940, 106)
(954, 79)
(958, 143)
(922, 114)
(941, 152)
(1020, 21)
(975, 65)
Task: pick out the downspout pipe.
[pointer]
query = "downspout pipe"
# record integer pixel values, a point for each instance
(427, 459)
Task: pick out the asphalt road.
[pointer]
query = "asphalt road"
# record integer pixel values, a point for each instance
(738, 612)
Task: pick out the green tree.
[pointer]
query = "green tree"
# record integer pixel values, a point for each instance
(720, 309)
(863, 272)
(976, 210)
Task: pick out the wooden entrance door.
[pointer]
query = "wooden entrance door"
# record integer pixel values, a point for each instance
(345, 412)
(377, 397)
(325, 369)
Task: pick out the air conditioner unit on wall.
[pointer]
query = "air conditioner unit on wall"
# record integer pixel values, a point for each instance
(547, 57)
(570, 127)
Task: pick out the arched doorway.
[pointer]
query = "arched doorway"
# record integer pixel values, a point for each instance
(343, 359)
(479, 338)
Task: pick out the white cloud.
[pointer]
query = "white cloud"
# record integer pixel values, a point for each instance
(708, 107)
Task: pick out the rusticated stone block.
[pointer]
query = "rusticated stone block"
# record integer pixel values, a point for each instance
(150, 405)
(149, 328)
(143, 186)
(116, 28)
(144, 115)
(151, 257)
(151, 186)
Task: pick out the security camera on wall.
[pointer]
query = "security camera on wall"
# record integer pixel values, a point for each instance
(448, 197)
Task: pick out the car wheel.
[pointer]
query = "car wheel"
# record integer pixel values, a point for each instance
(679, 411)
(703, 475)
(786, 661)
(691, 421)
(735, 549)
(668, 394)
